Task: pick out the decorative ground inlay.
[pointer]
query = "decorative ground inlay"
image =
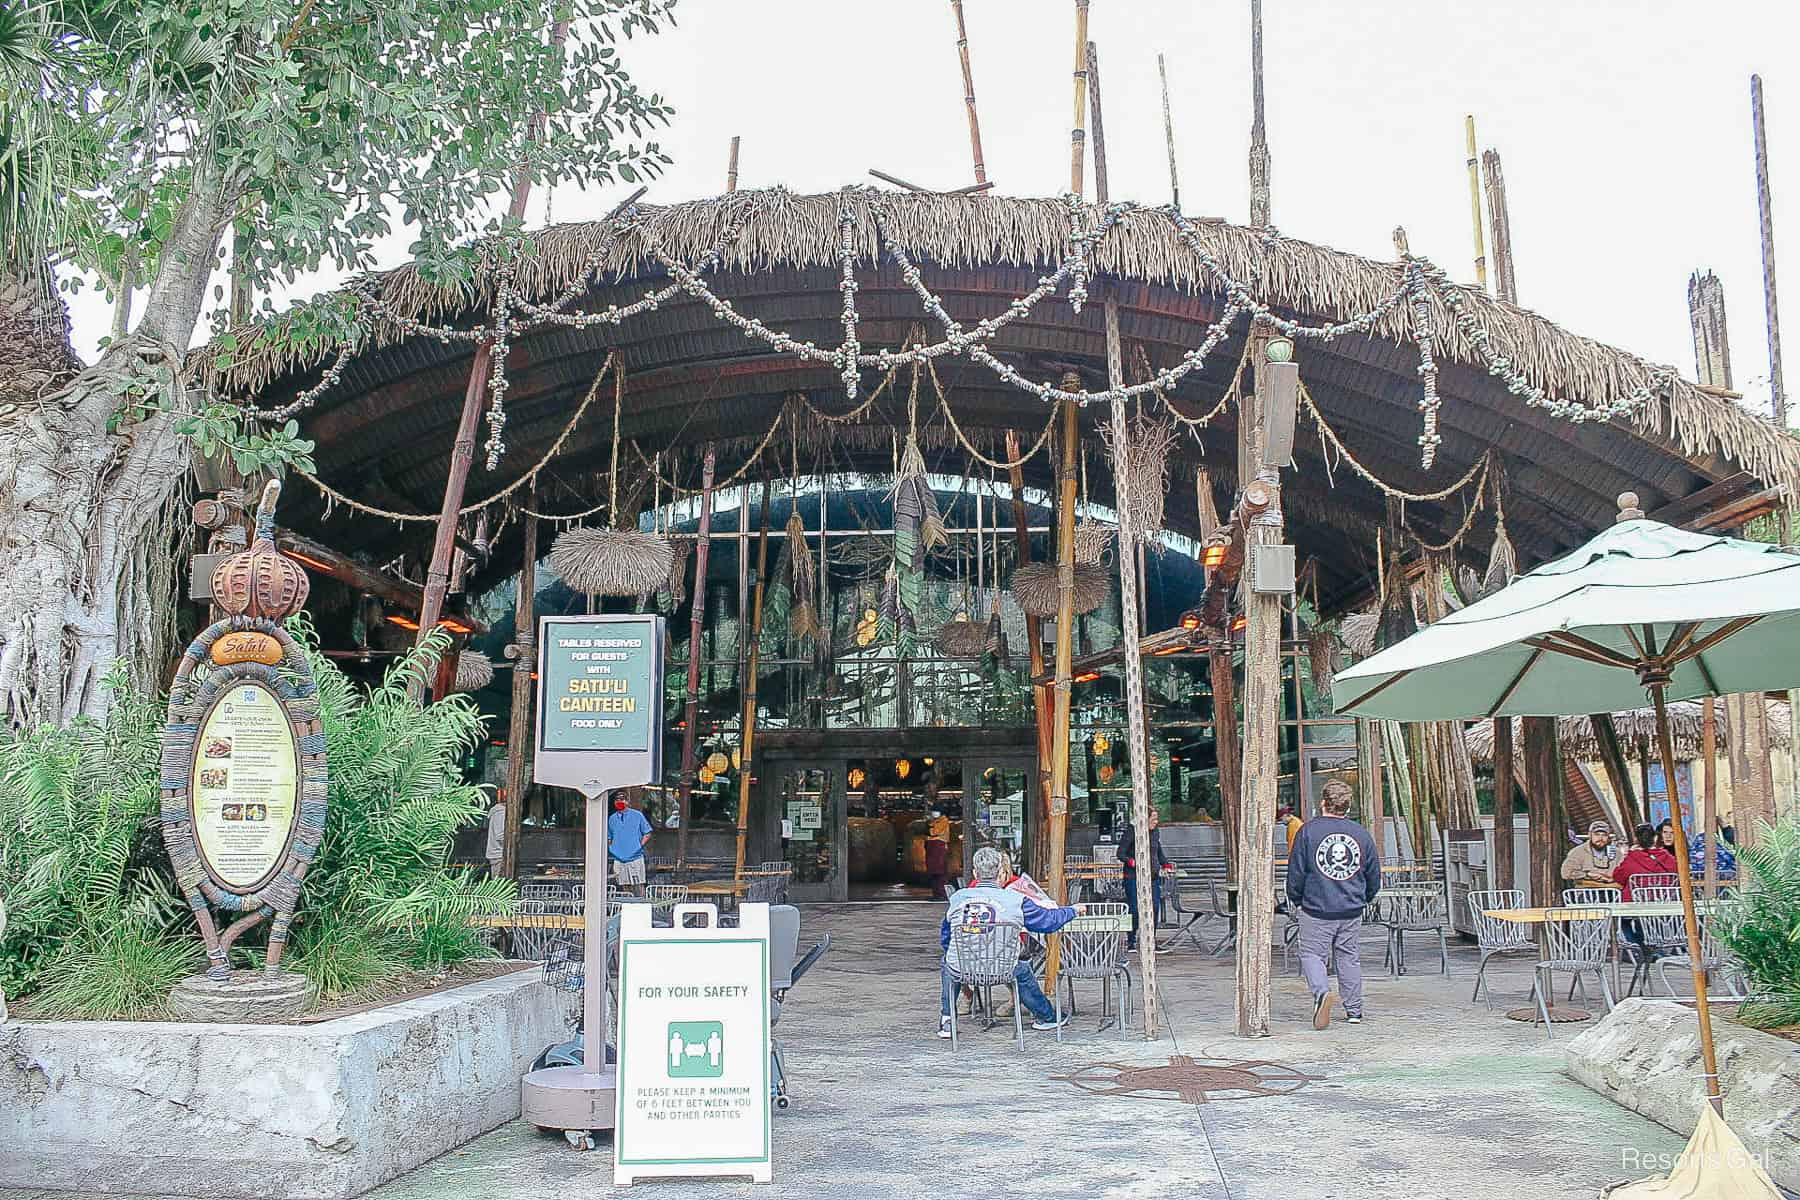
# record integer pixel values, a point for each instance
(1190, 1080)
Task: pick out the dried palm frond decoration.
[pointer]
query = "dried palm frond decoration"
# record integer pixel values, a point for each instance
(1145, 455)
(1204, 502)
(803, 617)
(613, 561)
(1034, 586)
(1358, 632)
(918, 528)
(474, 671)
(677, 584)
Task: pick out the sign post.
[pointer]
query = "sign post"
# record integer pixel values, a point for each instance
(599, 727)
(693, 1091)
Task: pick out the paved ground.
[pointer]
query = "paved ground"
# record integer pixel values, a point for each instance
(1434, 1096)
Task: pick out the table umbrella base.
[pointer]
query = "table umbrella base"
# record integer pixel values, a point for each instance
(1560, 1014)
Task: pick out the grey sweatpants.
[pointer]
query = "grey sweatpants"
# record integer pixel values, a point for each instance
(1342, 942)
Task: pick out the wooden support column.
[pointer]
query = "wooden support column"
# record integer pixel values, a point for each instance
(747, 740)
(1506, 285)
(1709, 810)
(1368, 761)
(968, 77)
(697, 602)
(1504, 872)
(523, 653)
(1065, 654)
(1612, 757)
(1544, 807)
(1262, 718)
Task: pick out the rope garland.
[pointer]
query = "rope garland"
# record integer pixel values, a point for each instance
(963, 440)
(1329, 435)
(335, 497)
(742, 471)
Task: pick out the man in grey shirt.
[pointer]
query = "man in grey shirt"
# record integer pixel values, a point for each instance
(496, 835)
(1333, 874)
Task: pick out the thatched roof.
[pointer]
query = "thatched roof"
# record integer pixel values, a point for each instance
(385, 429)
(1637, 730)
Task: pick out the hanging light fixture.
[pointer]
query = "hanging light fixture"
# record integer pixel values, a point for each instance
(1190, 620)
(903, 767)
(858, 777)
(1102, 743)
(1213, 554)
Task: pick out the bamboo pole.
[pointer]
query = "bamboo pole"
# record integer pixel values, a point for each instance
(1138, 748)
(1766, 223)
(462, 451)
(1709, 811)
(523, 653)
(1506, 284)
(1259, 137)
(731, 167)
(968, 76)
(1368, 759)
(1475, 203)
(697, 604)
(1034, 628)
(1077, 136)
(1065, 653)
(1169, 135)
(1685, 874)
(1262, 718)
(747, 742)
(1505, 870)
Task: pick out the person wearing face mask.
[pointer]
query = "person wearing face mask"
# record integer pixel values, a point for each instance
(937, 853)
(628, 834)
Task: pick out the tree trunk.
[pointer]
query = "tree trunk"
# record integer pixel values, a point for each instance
(90, 488)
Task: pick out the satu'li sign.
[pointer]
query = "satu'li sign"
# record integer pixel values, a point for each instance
(243, 768)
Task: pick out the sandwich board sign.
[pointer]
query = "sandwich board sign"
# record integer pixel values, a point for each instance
(694, 1069)
(599, 727)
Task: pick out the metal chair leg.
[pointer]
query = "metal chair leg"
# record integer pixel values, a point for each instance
(1538, 992)
(1444, 950)
(1019, 1018)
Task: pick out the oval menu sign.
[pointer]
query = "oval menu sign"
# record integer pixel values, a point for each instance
(245, 786)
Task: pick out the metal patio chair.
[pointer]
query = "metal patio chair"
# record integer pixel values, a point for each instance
(1715, 960)
(663, 898)
(1089, 953)
(1193, 920)
(1663, 936)
(1404, 912)
(984, 957)
(1577, 940)
(1656, 879)
(1494, 936)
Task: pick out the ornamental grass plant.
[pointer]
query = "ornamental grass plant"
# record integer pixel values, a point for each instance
(96, 926)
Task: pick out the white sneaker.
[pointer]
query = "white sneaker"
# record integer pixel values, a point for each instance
(944, 1028)
(1052, 1023)
(1353, 1019)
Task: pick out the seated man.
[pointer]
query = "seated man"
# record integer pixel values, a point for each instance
(985, 902)
(1592, 863)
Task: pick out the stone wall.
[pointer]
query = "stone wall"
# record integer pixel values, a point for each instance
(1645, 1054)
(291, 1111)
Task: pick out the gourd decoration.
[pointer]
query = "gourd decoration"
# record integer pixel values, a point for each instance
(261, 581)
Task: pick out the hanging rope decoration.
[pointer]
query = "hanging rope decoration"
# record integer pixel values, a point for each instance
(1418, 284)
(334, 497)
(1503, 560)
(963, 439)
(1092, 539)
(611, 560)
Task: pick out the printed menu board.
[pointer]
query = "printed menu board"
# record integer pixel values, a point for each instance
(245, 785)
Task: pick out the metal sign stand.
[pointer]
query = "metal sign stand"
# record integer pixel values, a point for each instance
(599, 727)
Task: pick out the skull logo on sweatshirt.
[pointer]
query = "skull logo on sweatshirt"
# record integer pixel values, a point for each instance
(1338, 857)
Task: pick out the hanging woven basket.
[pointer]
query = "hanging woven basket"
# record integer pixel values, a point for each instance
(963, 638)
(474, 671)
(1034, 586)
(612, 562)
(1092, 541)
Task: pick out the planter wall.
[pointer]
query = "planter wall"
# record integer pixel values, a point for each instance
(1645, 1054)
(290, 1111)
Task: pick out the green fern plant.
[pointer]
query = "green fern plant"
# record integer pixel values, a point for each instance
(1761, 925)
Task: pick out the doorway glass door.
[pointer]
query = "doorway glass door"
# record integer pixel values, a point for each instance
(998, 799)
(810, 802)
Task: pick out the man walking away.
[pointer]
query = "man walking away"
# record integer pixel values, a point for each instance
(1158, 863)
(496, 834)
(985, 902)
(1333, 874)
(627, 837)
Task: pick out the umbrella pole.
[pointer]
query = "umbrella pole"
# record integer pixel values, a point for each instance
(1686, 876)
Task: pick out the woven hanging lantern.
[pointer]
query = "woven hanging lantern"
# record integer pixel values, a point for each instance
(1034, 586)
(963, 638)
(261, 582)
(716, 762)
(474, 671)
(1092, 541)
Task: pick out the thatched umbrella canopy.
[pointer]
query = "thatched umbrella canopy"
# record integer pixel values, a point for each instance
(384, 431)
(1637, 732)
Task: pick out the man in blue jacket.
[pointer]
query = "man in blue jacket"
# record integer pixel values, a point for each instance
(1333, 874)
(985, 902)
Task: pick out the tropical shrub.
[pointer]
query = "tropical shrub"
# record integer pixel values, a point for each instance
(1761, 925)
(96, 927)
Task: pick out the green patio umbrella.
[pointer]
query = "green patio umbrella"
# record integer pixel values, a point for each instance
(1642, 608)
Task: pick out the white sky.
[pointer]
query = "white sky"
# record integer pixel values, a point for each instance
(1624, 126)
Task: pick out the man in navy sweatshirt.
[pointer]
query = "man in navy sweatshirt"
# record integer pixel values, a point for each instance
(985, 902)
(1333, 874)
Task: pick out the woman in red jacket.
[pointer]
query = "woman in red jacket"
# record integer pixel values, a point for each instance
(1646, 858)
